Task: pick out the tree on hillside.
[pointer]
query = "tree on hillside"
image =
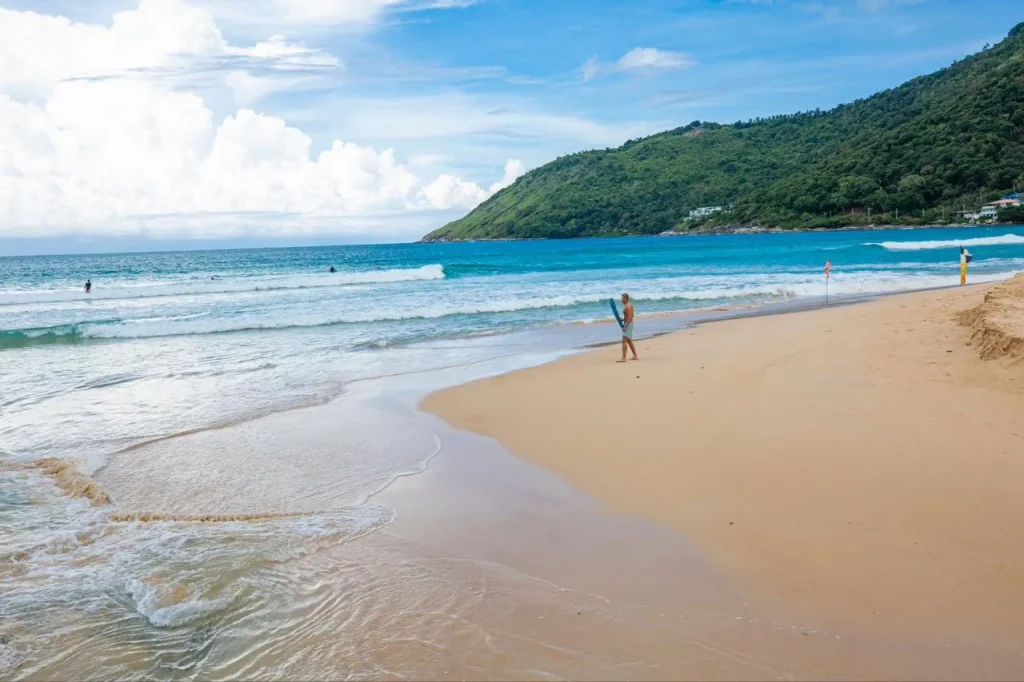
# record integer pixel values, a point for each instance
(930, 146)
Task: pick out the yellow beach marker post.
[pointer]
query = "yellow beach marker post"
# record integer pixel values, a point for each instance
(965, 258)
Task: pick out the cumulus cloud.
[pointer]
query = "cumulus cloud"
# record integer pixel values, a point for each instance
(38, 51)
(448, 191)
(638, 59)
(85, 152)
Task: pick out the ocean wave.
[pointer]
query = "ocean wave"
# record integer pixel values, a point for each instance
(226, 286)
(21, 338)
(686, 293)
(1004, 240)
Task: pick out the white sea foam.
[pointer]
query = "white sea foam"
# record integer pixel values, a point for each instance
(1004, 240)
(174, 572)
(225, 285)
(147, 600)
(687, 291)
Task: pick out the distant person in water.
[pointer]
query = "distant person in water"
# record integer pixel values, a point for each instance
(627, 328)
(332, 269)
(965, 258)
(88, 286)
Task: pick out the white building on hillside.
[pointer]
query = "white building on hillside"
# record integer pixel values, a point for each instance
(704, 211)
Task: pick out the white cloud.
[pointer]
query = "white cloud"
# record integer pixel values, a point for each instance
(513, 169)
(590, 69)
(638, 59)
(286, 56)
(448, 191)
(38, 51)
(651, 58)
(469, 121)
(114, 155)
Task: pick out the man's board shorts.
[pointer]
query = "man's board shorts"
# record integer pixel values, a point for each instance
(627, 331)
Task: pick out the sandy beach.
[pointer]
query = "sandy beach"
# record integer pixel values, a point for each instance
(861, 466)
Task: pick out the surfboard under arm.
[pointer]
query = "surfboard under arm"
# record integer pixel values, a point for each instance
(615, 311)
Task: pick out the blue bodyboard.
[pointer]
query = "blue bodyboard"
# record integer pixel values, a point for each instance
(615, 311)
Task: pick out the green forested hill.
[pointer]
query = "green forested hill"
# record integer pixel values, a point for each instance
(915, 153)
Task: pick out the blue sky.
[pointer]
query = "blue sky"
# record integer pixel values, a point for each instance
(465, 95)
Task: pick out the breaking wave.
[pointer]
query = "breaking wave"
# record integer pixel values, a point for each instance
(1004, 240)
(688, 293)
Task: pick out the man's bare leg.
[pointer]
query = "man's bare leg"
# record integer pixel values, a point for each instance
(624, 340)
(631, 347)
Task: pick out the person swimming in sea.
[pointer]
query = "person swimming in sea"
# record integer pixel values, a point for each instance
(332, 269)
(88, 286)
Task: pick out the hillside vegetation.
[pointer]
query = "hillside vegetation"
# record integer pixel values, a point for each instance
(916, 153)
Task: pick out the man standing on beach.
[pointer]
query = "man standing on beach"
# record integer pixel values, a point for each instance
(627, 328)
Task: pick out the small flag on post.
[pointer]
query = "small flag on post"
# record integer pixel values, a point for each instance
(828, 274)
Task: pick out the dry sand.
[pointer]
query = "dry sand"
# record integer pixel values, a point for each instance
(861, 466)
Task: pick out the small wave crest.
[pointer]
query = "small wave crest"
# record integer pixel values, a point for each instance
(136, 329)
(687, 294)
(22, 338)
(226, 285)
(1004, 240)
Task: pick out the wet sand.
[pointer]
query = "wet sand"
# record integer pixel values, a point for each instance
(860, 467)
(283, 547)
(491, 568)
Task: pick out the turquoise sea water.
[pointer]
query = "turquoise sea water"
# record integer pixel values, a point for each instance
(175, 343)
(210, 337)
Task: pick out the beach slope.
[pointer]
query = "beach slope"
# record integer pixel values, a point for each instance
(861, 466)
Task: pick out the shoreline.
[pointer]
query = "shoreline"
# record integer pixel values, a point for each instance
(360, 536)
(461, 546)
(735, 230)
(870, 420)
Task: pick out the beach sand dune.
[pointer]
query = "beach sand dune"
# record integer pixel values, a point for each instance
(997, 323)
(860, 466)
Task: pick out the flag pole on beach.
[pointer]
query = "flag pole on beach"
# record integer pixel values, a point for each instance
(828, 274)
